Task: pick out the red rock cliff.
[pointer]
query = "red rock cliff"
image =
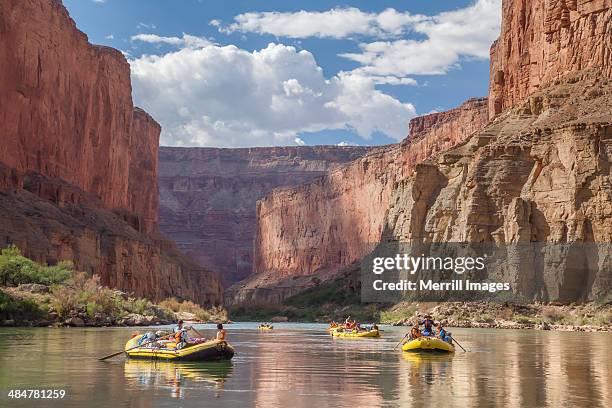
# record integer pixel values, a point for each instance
(67, 107)
(540, 172)
(208, 196)
(331, 222)
(543, 40)
(79, 161)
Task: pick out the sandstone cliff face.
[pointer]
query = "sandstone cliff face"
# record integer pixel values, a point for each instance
(543, 40)
(51, 220)
(538, 173)
(333, 221)
(208, 196)
(78, 162)
(67, 107)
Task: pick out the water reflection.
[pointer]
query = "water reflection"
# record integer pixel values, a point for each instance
(178, 376)
(302, 366)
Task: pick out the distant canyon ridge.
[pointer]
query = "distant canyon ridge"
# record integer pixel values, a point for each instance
(208, 196)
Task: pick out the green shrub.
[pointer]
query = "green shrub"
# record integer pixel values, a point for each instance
(15, 269)
(18, 309)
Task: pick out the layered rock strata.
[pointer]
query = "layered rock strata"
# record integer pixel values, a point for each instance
(208, 196)
(79, 162)
(538, 173)
(330, 223)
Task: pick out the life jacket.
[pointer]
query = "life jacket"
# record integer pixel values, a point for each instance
(180, 336)
(428, 323)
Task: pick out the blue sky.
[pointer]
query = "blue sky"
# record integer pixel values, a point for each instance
(336, 72)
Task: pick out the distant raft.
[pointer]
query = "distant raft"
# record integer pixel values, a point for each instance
(340, 332)
(429, 344)
(266, 328)
(207, 351)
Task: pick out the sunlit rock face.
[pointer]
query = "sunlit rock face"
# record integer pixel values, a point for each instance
(79, 160)
(209, 196)
(543, 40)
(330, 223)
(531, 164)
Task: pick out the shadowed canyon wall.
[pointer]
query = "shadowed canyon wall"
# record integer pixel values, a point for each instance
(538, 172)
(209, 195)
(79, 161)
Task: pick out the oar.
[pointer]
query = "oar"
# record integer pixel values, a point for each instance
(400, 341)
(464, 350)
(131, 348)
(197, 332)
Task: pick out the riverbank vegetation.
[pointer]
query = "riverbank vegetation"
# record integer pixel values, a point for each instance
(32, 294)
(335, 300)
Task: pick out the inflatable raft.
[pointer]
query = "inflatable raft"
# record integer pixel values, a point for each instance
(266, 328)
(206, 351)
(429, 344)
(350, 333)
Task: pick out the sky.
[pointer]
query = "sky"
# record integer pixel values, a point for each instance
(284, 73)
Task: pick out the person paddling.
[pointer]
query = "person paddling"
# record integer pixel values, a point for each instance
(429, 324)
(443, 334)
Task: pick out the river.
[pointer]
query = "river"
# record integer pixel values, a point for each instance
(300, 365)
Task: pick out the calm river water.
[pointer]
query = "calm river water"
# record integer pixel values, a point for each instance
(300, 365)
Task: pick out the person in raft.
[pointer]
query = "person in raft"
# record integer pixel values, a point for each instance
(428, 326)
(180, 334)
(415, 333)
(220, 332)
(443, 334)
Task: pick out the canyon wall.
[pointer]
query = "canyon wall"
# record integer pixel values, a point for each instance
(330, 223)
(542, 40)
(538, 173)
(79, 160)
(209, 195)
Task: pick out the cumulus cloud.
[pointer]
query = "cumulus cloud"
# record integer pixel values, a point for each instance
(466, 32)
(298, 141)
(227, 96)
(344, 143)
(440, 41)
(190, 41)
(334, 23)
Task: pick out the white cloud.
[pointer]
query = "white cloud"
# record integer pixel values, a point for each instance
(298, 141)
(344, 143)
(334, 23)
(227, 96)
(441, 41)
(189, 41)
(466, 32)
(99, 1)
(110, 37)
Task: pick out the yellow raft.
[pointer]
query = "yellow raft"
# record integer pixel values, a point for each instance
(429, 344)
(207, 351)
(266, 328)
(339, 332)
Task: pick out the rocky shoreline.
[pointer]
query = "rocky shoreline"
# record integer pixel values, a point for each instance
(48, 314)
(588, 317)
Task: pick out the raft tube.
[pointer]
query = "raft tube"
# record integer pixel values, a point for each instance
(208, 351)
(429, 344)
(350, 333)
